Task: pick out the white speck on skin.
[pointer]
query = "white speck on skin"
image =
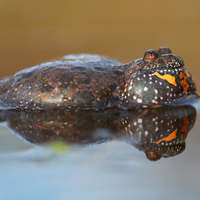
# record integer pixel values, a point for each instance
(145, 88)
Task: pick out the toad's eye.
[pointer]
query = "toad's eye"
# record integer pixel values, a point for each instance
(164, 50)
(150, 54)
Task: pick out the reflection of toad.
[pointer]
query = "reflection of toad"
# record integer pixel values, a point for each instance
(162, 132)
(92, 82)
(159, 132)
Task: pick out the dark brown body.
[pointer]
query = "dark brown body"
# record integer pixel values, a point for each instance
(65, 84)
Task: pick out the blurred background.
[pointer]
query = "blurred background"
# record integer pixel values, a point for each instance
(32, 32)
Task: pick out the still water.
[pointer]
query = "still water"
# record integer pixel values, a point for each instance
(100, 155)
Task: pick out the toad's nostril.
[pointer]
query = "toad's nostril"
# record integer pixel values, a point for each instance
(164, 50)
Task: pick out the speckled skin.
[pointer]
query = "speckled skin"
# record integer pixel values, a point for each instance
(92, 82)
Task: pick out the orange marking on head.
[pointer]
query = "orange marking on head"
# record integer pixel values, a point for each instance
(184, 128)
(184, 82)
(167, 77)
(156, 106)
(170, 137)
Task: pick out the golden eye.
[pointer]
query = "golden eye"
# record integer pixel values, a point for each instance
(164, 50)
(150, 54)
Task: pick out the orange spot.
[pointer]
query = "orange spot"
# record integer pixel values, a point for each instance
(170, 137)
(188, 75)
(156, 106)
(184, 82)
(184, 128)
(167, 77)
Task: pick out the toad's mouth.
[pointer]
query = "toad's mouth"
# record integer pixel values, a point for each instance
(169, 70)
(162, 66)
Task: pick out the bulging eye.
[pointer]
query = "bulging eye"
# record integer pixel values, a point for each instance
(164, 50)
(152, 155)
(150, 54)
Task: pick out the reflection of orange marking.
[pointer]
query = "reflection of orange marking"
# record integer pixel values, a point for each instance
(184, 82)
(184, 128)
(170, 137)
(167, 77)
(156, 106)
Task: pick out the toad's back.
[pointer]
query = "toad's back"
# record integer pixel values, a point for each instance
(84, 82)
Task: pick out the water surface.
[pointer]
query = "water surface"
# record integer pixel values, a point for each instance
(96, 160)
